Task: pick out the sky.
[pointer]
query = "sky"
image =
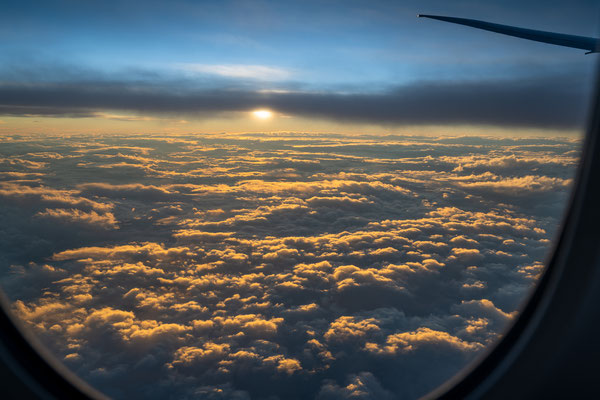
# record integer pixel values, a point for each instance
(319, 66)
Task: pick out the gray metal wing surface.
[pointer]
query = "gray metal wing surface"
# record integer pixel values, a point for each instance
(592, 45)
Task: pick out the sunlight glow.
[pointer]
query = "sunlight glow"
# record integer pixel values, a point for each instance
(262, 114)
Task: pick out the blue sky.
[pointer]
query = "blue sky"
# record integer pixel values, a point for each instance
(325, 47)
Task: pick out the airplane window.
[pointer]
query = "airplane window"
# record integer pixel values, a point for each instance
(283, 200)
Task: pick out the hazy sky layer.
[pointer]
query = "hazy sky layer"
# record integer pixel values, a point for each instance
(274, 266)
(319, 65)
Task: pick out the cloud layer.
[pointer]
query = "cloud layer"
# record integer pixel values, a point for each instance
(549, 100)
(291, 267)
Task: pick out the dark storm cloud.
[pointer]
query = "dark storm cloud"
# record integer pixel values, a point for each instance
(551, 101)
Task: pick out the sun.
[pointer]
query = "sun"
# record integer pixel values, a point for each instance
(262, 114)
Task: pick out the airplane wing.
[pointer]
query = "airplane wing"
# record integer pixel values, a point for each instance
(592, 45)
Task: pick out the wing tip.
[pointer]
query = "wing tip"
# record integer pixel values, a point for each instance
(429, 16)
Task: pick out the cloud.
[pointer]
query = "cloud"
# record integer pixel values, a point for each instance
(50, 196)
(221, 392)
(363, 386)
(106, 220)
(347, 328)
(258, 72)
(191, 355)
(286, 365)
(119, 117)
(410, 341)
(518, 185)
(527, 101)
(132, 191)
(124, 252)
(289, 266)
(196, 235)
(485, 308)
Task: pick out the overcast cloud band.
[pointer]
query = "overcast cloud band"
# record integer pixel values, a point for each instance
(543, 102)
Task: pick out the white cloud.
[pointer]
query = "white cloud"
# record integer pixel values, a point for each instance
(240, 71)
